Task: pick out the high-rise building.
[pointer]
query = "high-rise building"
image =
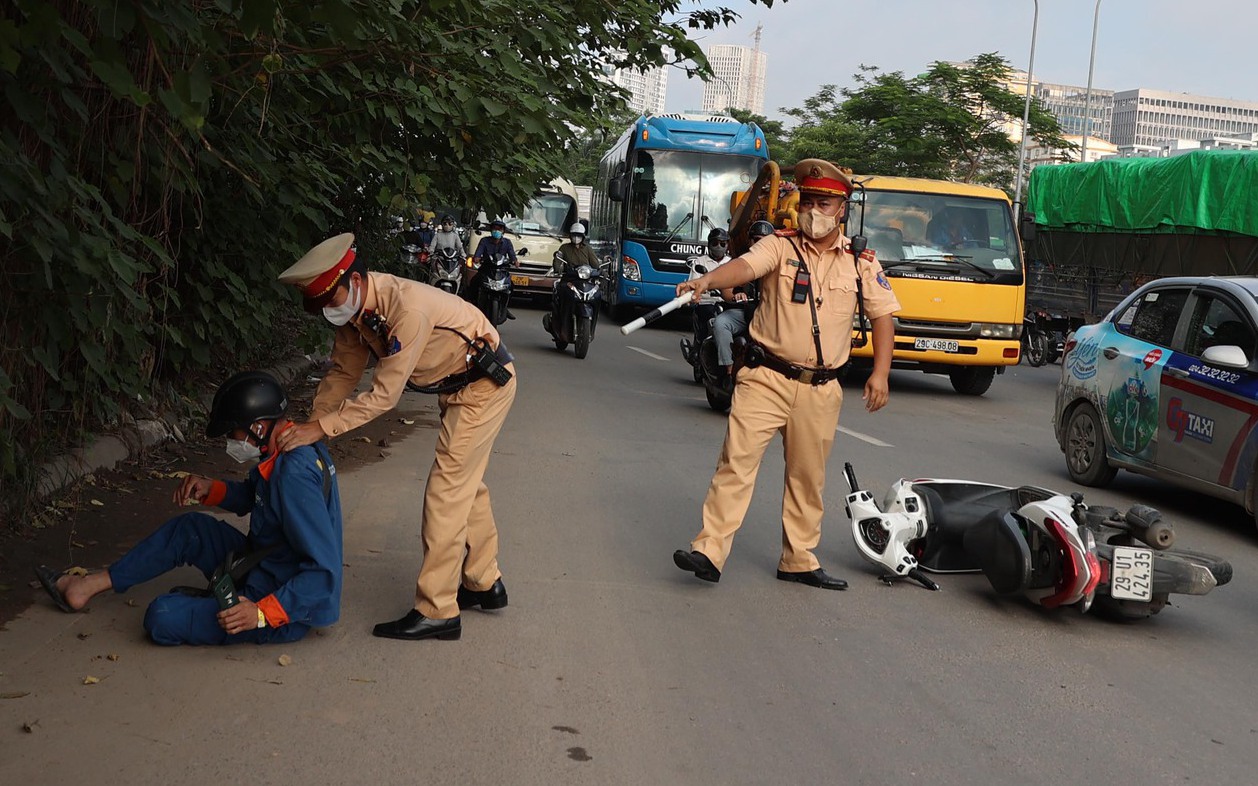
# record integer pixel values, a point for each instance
(1146, 118)
(738, 78)
(647, 89)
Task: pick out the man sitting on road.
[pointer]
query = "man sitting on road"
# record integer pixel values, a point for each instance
(286, 570)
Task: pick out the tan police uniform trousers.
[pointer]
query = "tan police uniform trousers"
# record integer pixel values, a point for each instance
(459, 533)
(765, 402)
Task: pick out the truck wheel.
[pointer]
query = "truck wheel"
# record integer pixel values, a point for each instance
(972, 380)
(581, 344)
(1085, 448)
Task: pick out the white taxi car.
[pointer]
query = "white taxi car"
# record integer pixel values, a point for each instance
(1167, 386)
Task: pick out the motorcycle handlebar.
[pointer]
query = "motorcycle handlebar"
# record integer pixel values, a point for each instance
(850, 474)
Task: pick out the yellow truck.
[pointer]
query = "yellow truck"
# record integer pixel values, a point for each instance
(951, 253)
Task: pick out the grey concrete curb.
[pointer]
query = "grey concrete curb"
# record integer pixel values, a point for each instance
(136, 435)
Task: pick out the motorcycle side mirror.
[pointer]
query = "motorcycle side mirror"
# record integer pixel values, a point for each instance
(521, 252)
(859, 244)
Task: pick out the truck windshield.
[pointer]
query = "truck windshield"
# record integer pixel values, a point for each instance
(544, 214)
(921, 230)
(669, 185)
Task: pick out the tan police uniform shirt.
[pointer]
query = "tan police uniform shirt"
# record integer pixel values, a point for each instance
(413, 350)
(785, 328)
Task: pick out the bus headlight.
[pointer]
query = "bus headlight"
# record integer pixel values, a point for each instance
(629, 269)
(993, 330)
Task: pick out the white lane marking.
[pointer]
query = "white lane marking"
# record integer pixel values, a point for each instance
(864, 437)
(648, 354)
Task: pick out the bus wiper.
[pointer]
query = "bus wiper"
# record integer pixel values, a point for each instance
(680, 224)
(928, 258)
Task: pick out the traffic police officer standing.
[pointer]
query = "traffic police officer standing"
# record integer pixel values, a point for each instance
(801, 338)
(435, 342)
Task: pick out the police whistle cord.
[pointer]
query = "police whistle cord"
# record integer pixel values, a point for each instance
(656, 313)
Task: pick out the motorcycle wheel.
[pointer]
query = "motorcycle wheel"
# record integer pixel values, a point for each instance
(497, 312)
(717, 400)
(1170, 566)
(1037, 350)
(581, 344)
(697, 372)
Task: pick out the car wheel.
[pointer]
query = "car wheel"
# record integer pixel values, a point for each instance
(1085, 448)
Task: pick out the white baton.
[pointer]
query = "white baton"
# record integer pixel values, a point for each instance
(656, 313)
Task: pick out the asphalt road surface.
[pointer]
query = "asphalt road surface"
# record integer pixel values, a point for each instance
(611, 666)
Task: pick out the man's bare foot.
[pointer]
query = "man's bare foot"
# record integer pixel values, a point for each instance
(78, 590)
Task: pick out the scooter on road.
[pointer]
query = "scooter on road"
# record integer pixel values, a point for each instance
(574, 306)
(1051, 548)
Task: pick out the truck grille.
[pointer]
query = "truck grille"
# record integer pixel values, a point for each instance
(929, 329)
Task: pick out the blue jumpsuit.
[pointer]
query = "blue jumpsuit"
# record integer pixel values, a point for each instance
(297, 586)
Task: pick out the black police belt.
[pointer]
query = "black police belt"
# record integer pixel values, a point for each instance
(759, 356)
(486, 362)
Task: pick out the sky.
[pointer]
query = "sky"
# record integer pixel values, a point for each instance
(1193, 46)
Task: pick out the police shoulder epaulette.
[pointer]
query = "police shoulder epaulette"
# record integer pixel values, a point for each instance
(786, 232)
(867, 255)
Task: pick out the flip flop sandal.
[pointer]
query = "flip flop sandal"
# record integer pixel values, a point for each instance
(48, 580)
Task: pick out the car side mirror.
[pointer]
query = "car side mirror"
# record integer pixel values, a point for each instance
(1226, 355)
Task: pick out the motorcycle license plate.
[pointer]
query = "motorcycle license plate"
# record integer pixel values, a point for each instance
(1131, 574)
(520, 281)
(938, 344)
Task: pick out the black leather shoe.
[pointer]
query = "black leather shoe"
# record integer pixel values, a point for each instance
(415, 626)
(493, 598)
(696, 563)
(814, 578)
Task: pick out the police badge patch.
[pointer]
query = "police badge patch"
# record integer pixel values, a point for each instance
(883, 282)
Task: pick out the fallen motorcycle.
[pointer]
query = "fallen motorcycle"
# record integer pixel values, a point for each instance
(1049, 547)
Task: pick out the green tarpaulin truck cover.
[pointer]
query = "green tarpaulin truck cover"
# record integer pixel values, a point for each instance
(1202, 192)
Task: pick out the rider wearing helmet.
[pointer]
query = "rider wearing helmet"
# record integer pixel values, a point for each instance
(446, 237)
(285, 573)
(496, 244)
(733, 322)
(576, 252)
(718, 254)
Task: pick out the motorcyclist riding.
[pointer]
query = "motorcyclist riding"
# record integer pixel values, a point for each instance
(575, 252)
(424, 234)
(718, 246)
(446, 237)
(733, 321)
(494, 245)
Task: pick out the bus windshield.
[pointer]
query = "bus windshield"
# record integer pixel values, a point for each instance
(905, 227)
(544, 214)
(668, 185)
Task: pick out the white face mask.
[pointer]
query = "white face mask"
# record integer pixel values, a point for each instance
(243, 450)
(816, 226)
(339, 315)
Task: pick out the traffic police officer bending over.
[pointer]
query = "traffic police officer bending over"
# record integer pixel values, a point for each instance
(434, 342)
(801, 338)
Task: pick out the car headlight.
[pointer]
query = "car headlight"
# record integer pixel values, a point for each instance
(994, 330)
(630, 270)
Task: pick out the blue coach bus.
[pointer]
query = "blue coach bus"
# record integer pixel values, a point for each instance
(661, 188)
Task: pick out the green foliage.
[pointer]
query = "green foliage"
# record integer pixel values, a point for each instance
(950, 123)
(164, 160)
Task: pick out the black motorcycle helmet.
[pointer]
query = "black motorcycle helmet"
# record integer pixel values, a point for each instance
(498, 223)
(244, 399)
(760, 229)
(719, 236)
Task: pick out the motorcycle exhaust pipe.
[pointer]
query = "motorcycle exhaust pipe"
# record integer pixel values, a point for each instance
(1146, 524)
(656, 313)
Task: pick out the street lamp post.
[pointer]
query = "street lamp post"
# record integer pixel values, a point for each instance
(1087, 97)
(1026, 107)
